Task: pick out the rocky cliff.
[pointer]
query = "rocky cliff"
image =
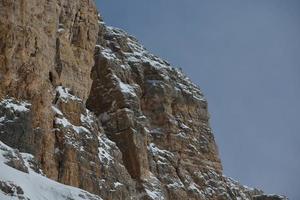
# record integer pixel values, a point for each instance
(86, 105)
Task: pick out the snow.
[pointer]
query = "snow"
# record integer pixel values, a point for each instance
(138, 52)
(19, 106)
(209, 191)
(104, 156)
(154, 195)
(56, 110)
(141, 56)
(182, 135)
(88, 118)
(126, 88)
(176, 184)
(117, 184)
(153, 188)
(36, 186)
(193, 187)
(60, 30)
(108, 54)
(27, 158)
(156, 151)
(104, 149)
(162, 157)
(2, 119)
(185, 127)
(64, 94)
(65, 123)
(73, 131)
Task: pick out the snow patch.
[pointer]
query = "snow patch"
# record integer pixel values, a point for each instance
(66, 124)
(117, 184)
(156, 151)
(18, 106)
(176, 185)
(126, 88)
(193, 187)
(2, 119)
(104, 149)
(56, 110)
(88, 118)
(65, 94)
(108, 54)
(154, 195)
(34, 185)
(153, 188)
(60, 28)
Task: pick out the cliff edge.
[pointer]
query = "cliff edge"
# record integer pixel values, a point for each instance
(86, 112)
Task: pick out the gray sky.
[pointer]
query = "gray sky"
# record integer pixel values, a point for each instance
(245, 56)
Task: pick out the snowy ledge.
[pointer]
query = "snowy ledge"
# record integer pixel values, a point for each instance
(15, 105)
(34, 186)
(65, 94)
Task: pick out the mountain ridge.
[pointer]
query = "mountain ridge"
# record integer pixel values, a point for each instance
(93, 109)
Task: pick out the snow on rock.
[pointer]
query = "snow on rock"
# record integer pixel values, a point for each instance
(126, 88)
(2, 119)
(60, 28)
(14, 105)
(194, 188)
(154, 195)
(176, 184)
(65, 94)
(74, 134)
(117, 184)
(88, 119)
(161, 154)
(105, 149)
(153, 188)
(56, 110)
(70, 135)
(107, 53)
(134, 54)
(15, 185)
(66, 124)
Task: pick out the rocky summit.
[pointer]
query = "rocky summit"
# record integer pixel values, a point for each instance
(87, 113)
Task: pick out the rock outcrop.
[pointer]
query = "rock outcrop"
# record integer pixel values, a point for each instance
(93, 109)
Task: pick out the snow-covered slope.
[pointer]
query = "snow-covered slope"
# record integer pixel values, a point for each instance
(28, 184)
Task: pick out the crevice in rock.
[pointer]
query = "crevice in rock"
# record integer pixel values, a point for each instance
(51, 77)
(75, 29)
(55, 100)
(177, 169)
(33, 54)
(58, 63)
(124, 142)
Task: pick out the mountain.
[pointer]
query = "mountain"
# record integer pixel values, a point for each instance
(86, 112)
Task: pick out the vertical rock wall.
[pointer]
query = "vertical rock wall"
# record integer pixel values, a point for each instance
(99, 112)
(44, 45)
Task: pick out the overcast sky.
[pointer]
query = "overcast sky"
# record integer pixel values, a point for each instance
(245, 56)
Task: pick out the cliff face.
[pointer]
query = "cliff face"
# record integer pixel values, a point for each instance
(89, 107)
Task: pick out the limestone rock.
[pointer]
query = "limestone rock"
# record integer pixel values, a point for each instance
(43, 45)
(88, 106)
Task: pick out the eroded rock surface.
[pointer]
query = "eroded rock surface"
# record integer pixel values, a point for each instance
(90, 107)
